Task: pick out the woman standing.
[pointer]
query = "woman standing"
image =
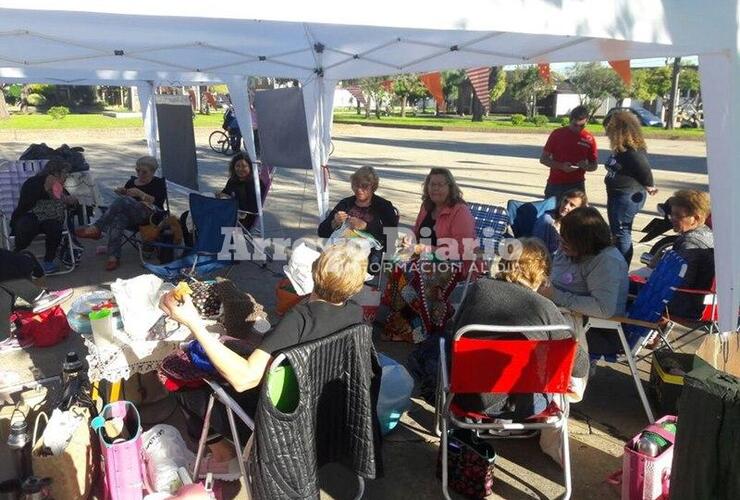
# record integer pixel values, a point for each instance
(628, 178)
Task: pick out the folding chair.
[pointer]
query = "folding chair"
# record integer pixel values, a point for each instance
(491, 365)
(12, 176)
(284, 393)
(523, 214)
(210, 216)
(641, 322)
(490, 226)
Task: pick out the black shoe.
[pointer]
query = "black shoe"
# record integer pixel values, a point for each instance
(37, 271)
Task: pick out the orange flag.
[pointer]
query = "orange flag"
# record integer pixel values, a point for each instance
(623, 70)
(433, 83)
(544, 70)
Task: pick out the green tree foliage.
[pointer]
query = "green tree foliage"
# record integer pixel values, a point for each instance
(650, 83)
(595, 83)
(451, 81)
(688, 80)
(409, 89)
(527, 86)
(58, 112)
(499, 84)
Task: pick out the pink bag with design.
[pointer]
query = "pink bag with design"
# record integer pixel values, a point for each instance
(645, 477)
(121, 457)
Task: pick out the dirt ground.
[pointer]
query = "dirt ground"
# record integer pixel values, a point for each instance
(491, 168)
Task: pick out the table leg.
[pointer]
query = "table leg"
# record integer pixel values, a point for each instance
(115, 391)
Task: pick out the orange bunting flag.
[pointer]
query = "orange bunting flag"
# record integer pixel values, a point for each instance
(433, 83)
(387, 85)
(622, 68)
(544, 70)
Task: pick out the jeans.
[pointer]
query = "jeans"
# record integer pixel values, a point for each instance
(28, 226)
(558, 190)
(124, 213)
(622, 207)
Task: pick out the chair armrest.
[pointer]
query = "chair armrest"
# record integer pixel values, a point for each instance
(636, 322)
(443, 365)
(695, 291)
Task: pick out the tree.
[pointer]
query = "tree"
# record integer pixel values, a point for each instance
(373, 90)
(527, 86)
(451, 81)
(3, 108)
(409, 88)
(497, 84)
(595, 83)
(650, 83)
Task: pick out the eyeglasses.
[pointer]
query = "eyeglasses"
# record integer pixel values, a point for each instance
(438, 185)
(141, 170)
(364, 186)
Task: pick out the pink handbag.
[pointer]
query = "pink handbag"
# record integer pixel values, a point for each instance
(122, 460)
(645, 477)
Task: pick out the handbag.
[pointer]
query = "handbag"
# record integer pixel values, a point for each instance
(72, 472)
(49, 210)
(43, 329)
(205, 299)
(470, 464)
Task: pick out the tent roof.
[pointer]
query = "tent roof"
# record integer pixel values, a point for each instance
(184, 42)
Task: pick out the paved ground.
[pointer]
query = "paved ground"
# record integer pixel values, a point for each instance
(491, 168)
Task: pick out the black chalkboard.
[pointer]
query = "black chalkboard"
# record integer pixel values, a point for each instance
(282, 128)
(177, 140)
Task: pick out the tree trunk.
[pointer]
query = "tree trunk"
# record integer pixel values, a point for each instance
(477, 110)
(3, 108)
(123, 97)
(403, 105)
(672, 108)
(358, 106)
(377, 108)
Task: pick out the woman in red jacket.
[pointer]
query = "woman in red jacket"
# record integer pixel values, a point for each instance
(417, 292)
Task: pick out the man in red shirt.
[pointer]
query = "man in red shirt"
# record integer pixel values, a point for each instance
(569, 153)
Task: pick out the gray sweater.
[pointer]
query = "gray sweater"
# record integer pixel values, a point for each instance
(594, 286)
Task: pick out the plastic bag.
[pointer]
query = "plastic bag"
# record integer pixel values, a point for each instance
(165, 451)
(362, 238)
(138, 301)
(298, 269)
(395, 393)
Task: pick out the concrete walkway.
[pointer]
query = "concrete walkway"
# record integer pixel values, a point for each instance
(491, 168)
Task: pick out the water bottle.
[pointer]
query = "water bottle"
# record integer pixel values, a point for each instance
(652, 444)
(19, 443)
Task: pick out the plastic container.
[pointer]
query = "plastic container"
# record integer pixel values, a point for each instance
(78, 314)
(103, 329)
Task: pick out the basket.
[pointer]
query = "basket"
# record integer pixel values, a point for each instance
(645, 477)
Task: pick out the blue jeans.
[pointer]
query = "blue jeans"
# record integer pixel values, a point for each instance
(622, 207)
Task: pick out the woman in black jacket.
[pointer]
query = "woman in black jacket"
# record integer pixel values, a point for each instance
(365, 211)
(41, 210)
(628, 178)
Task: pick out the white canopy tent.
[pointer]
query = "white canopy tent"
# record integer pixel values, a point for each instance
(167, 42)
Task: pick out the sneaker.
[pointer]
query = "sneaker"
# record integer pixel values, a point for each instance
(49, 266)
(47, 300)
(223, 471)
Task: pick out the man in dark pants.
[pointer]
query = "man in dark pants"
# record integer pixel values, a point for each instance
(569, 153)
(16, 270)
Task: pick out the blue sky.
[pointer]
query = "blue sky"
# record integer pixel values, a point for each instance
(635, 63)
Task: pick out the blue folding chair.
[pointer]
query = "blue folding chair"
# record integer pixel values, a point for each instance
(641, 322)
(490, 224)
(209, 216)
(523, 214)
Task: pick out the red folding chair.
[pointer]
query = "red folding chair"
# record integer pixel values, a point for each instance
(707, 322)
(491, 365)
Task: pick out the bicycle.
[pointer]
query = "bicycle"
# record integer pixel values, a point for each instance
(228, 141)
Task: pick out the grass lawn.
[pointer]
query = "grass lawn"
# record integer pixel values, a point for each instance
(428, 121)
(492, 124)
(97, 121)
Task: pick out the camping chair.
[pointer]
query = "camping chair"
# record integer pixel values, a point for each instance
(708, 320)
(210, 216)
(523, 214)
(490, 365)
(284, 392)
(490, 226)
(12, 176)
(641, 322)
(131, 234)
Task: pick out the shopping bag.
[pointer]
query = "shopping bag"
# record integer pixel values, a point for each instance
(73, 471)
(43, 329)
(395, 393)
(138, 300)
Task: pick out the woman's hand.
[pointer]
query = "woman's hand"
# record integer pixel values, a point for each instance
(546, 290)
(357, 223)
(339, 218)
(652, 190)
(181, 311)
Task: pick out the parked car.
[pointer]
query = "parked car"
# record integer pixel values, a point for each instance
(647, 119)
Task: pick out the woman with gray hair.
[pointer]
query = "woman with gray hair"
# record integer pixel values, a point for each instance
(139, 199)
(41, 210)
(364, 211)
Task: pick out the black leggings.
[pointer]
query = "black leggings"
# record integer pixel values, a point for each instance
(28, 226)
(15, 274)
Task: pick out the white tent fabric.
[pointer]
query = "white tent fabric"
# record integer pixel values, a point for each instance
(89, 42)
(149, 114)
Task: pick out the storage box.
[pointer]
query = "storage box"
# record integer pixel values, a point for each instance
(666, 377)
